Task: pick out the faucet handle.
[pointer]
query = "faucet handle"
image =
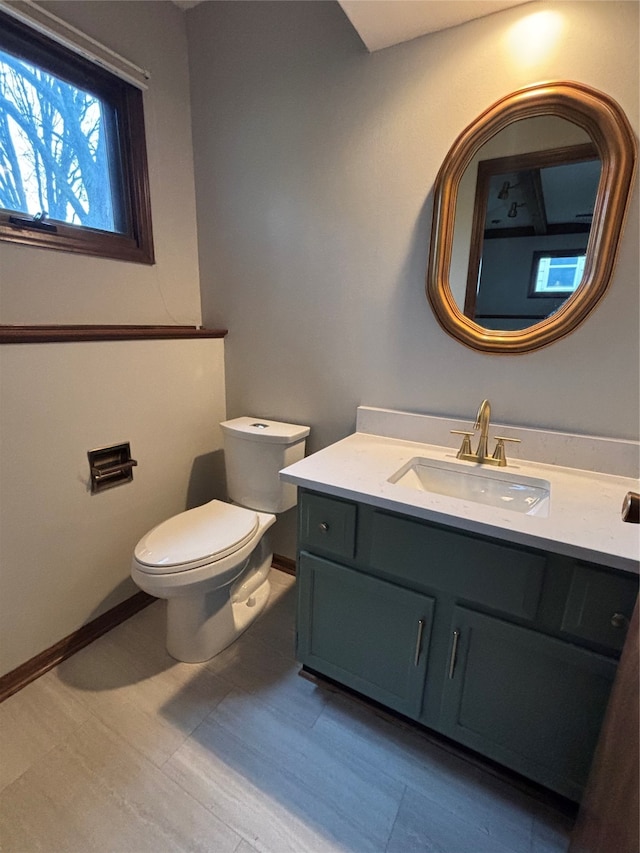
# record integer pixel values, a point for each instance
(465, 448)
(499, 453)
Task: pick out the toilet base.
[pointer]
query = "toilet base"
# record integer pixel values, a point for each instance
(201, 626)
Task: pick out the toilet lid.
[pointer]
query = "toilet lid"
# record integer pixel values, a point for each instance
(196, 537)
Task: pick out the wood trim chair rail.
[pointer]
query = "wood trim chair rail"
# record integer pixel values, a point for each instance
(71, 334)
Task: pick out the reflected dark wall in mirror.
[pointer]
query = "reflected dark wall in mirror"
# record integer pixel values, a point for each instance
(547, 169)
(525, 206)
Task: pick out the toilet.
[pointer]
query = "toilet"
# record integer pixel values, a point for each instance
(212, 562)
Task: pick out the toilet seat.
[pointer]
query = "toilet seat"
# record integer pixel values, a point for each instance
(197, 537)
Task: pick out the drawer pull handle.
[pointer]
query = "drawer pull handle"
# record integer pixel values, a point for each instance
(619, 620)
(323, 527)
(416, 657)
(454, 653)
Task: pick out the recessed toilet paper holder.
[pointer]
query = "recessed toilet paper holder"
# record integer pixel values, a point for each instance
(110, 466)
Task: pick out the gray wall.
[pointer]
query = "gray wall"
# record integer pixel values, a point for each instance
(315, 163)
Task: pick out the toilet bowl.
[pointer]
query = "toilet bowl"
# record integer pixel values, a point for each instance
(212, 563)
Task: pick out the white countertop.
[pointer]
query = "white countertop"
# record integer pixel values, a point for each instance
(584, 519)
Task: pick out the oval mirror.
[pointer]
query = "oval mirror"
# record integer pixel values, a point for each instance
(528, 211)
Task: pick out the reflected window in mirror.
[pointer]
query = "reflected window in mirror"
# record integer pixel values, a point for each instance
(556, 273)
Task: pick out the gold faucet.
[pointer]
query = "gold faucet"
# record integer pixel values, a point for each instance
(482, 423)
(498, 457)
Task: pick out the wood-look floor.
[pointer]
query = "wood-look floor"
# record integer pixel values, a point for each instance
(120, 748)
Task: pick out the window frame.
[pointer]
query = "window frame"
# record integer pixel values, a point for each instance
(126, 101)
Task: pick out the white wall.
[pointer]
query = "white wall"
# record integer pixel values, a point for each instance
(65, 554)
(315, 163)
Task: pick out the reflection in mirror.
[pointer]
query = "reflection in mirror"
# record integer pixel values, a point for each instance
(530, 231)
(528, 210)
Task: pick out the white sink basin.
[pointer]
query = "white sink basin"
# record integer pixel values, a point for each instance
(499, 488)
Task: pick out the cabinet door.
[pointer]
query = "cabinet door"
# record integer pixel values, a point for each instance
(529, 701)
(365, 633)
(599, 605)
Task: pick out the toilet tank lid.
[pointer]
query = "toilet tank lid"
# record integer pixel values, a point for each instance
(260, 429)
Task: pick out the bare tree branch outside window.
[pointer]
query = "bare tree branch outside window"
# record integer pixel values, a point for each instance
(53, 148)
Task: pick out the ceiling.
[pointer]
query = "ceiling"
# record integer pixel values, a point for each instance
(382, 23)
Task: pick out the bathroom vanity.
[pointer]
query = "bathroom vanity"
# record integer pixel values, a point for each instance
(498, 628)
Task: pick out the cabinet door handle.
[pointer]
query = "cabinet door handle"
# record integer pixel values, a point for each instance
(454, 652)
(619, 620)
(416, 657)
(323, 527)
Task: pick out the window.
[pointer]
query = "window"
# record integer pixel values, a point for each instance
(556, 273)
(73, 163)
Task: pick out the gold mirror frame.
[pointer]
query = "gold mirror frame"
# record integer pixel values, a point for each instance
(605, 122)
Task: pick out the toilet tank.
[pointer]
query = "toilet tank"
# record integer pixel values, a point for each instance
(255, 450)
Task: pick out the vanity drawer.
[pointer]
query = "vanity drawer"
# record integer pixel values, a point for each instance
(328, 525)
(599, 606)
(474, 569)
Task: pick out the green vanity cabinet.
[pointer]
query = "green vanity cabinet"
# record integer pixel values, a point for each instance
(506, 649)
